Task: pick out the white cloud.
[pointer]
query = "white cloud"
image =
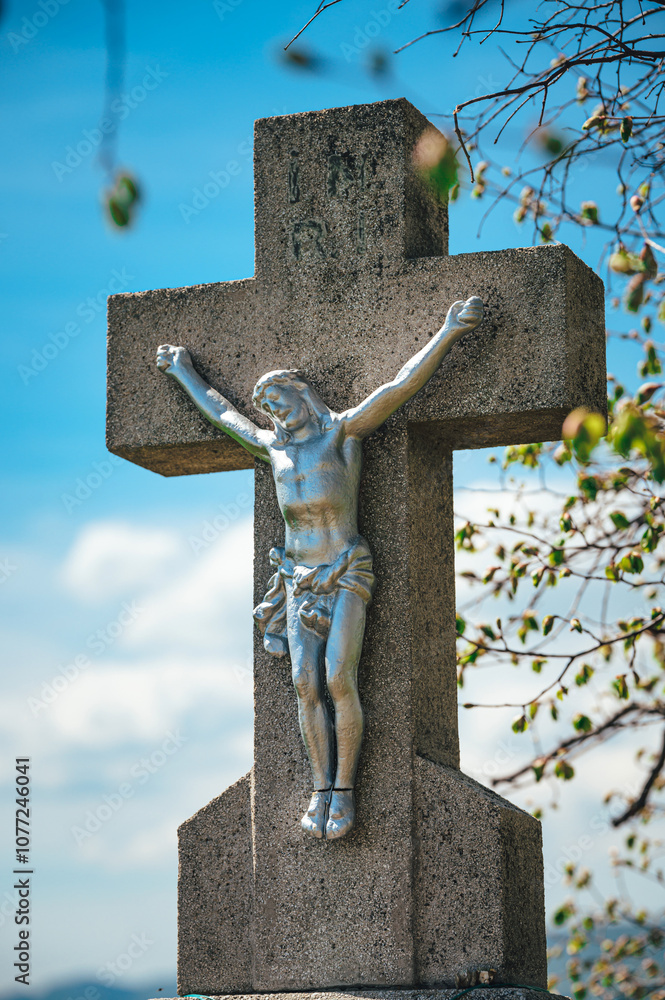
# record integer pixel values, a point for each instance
(110, 558)
(112, 704)
(206, 605)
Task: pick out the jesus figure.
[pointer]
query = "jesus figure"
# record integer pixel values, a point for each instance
(316, 602)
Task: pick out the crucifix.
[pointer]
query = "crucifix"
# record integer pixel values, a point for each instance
(425, 878)
(315, 607)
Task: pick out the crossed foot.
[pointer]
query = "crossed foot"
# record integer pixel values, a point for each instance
(331, 814)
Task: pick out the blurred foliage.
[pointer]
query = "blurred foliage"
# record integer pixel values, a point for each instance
(436, 160)
(301, 58)
(585, 574)
(122, 200)
(613, 950)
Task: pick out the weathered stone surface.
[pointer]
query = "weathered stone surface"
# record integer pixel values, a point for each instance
(215, 893)
(458, 890)
(538, 353)
(479, 899)
(495, 993)
(337, 192)
(440, 878)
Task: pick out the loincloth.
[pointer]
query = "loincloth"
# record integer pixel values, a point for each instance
(314, 589)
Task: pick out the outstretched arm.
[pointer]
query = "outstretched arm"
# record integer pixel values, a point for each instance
(177, 362)
(372, 412)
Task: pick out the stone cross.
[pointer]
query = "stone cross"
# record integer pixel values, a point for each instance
(441, 880)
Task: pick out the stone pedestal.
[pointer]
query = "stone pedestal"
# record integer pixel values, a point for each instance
(452, 889)
(478, 993)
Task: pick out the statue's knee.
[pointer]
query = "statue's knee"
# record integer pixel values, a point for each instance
(305, 686)
(340, 685)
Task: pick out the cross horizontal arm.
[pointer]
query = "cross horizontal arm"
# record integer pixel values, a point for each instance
(538, 353)
(372, 412)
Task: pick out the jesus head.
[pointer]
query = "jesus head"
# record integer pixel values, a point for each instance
(289, 400)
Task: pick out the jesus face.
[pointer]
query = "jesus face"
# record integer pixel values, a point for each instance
(286, 407)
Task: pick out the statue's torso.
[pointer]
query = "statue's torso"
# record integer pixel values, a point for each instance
(317, 484)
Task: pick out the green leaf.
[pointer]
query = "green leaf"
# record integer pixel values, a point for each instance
(563, 770)
(583, 429)
(634, 296)
(589, 485)
(460, 625)
(589, 211)
(584, 676)
(436, 160)
(582, 724)
(619, 520)
(563, 914)
(519, 724)
(595, 121)
(620, 686)
(622, 262)
(548, 624)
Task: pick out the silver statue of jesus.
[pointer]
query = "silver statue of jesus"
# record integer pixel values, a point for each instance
(316, 602)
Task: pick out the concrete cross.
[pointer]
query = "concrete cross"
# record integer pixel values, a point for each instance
(442, 879)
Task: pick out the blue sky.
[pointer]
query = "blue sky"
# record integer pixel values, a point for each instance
(103, 558)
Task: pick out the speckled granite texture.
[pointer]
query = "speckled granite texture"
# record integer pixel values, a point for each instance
(489, 993)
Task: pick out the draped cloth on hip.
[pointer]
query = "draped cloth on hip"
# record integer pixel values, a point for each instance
(314, 590)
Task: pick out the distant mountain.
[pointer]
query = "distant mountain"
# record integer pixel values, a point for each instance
(87, 989)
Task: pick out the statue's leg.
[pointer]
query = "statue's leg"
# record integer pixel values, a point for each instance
(342, 656)
(307, 648)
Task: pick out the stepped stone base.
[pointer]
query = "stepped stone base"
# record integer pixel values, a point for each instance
(471, 869)
(487, 993)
